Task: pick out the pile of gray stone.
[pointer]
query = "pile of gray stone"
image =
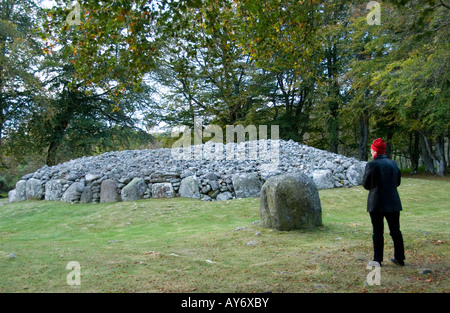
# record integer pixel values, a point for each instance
(137, 174)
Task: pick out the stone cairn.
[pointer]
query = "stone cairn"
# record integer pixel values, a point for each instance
(142, 174)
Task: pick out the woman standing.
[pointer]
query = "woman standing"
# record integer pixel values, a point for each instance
(382, 177)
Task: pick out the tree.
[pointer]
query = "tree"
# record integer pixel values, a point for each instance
(281, 38)
(66, 115)
(117, 39)
(313, 67)
(206, 71)
(80, 120)
(20, 51)
(415, 81)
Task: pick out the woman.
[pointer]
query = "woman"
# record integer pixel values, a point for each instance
(381, 178)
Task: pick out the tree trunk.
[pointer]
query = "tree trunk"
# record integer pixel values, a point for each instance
(70, 103)
(414, 152)
(448, 148)
(55, 142)
(333, 106)
(390, 134)
(426, 158)
(1, 131)
(333, 127)
(439, 158)
(275, 106)
(2, 103)
(440, 155)
(1, 123)
(363, 124)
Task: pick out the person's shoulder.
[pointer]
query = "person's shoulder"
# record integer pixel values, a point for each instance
(387, 161)
(385, 158)
(394, 164)
(372, 164)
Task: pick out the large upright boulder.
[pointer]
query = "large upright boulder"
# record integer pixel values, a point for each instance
(246, 185)
(134, 190)
(290, 202)
(53, 190)
(109, 191)
(73, 193)
(189, 187)
(12, 196)
(86, 195)
(21, 190)
(35, 190)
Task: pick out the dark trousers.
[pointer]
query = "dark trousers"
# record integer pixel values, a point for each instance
(393, 220)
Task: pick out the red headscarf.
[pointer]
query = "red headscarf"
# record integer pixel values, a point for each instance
(379, 146)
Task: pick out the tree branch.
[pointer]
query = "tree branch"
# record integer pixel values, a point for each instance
(444, 5)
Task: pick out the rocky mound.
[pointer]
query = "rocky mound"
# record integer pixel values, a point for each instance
(132, 175)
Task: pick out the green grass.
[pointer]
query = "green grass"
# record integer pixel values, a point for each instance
(185, 245)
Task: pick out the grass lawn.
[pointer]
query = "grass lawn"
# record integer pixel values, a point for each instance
(185, 245)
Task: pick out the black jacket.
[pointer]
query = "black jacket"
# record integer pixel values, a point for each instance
(382, 177)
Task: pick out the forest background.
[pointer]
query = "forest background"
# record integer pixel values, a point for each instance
(83, 78)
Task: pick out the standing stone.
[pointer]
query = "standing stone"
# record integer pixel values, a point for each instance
(21, 190)
(73, 193)
(12, 196)
(189, 187)
(134, 190)
(86, 195)
(246, 185)
(162, 190)
(323, 179)
(53, 190)
(34, 188)
(109, 191)
(290, 202)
